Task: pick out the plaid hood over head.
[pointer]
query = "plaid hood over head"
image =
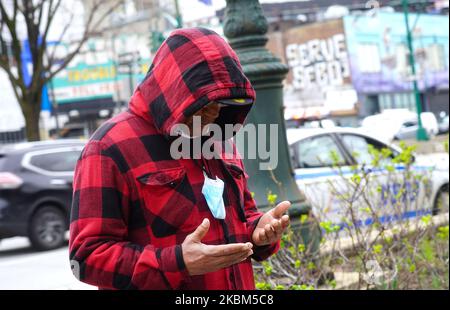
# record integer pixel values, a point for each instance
(192, 68)
(134, 204)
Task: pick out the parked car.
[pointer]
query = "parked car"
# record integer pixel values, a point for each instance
(36, 190)
(399, 124)
(311, 151)
(443, 125)
(70, 131)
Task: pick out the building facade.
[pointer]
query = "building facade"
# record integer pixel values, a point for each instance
(357, 65)
(100, 79)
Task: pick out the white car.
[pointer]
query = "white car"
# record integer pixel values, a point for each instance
(399, 124)
(311, 151)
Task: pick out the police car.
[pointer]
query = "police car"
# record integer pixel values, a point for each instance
(316, 152)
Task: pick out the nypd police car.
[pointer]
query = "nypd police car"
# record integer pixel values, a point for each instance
(317, 152)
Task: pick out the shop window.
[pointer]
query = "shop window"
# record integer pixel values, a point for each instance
(368, 58)
(435, 58)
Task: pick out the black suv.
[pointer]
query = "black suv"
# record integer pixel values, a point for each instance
(36, 190)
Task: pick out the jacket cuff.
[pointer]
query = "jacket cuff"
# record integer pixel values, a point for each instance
(263, 252)
(172, 265)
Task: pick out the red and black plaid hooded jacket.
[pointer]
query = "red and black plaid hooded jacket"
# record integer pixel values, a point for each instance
(133, 204)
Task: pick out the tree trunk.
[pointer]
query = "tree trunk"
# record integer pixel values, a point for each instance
(31, 110)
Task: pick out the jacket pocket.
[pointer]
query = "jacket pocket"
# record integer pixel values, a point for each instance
(169, 177)
(169, 200)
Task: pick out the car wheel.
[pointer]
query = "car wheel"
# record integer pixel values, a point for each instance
(441, 201)
(47, 229)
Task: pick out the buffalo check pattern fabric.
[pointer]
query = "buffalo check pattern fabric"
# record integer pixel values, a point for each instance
(133, 204)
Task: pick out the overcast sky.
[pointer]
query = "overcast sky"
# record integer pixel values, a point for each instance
(194, 9)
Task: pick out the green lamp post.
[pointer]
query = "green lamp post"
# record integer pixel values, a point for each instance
(421, 132)
(245, 26)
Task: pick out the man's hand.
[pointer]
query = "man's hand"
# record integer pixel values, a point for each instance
(200, 258)
(271, 226)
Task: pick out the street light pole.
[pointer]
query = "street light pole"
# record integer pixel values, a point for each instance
(421, 132)
(178, 16)
(245, 26)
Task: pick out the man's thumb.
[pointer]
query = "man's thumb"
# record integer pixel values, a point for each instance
(281, 209)
(201, 231)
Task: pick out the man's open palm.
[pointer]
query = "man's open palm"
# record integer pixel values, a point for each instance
(272, 224)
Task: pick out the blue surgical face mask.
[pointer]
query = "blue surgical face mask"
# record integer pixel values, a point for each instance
(213, 192)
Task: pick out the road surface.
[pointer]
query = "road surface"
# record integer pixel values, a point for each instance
(21, 268)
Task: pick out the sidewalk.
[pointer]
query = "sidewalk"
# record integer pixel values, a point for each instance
(436, 145)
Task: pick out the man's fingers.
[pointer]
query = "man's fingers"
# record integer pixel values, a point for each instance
(269, 231)
(201, 231)
(232, 260)
(262, 235)
(285, 221)
(276, 225)
(228, 249)
(280, 209)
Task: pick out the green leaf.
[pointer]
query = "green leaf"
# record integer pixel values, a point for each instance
(301, 248)
(272, 198)
(268, 270)
(426, 219)
(428, 250)
(377, 248)
(311, 266)
(443, 232)
(304, 218)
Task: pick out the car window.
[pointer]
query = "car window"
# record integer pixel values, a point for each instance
(409, 124)
(58, 161)
(317, 152)
(2, 161)
(358, 147)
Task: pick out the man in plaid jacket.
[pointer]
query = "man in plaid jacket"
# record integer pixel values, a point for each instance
(139, 219)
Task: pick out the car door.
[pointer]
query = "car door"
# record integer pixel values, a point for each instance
(51, 171)
(314, 158)
(408, 130)
(383, 194)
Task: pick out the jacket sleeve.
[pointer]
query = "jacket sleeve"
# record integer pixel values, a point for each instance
(253, 216)
(100, 253)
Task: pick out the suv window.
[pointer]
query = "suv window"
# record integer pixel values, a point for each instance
(317, 152)
(2, 161)
(56, 162)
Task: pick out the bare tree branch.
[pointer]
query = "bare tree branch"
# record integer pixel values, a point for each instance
(51, 57)
(15, 44)
(88, 32)
(37, 31)
(50, 15)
